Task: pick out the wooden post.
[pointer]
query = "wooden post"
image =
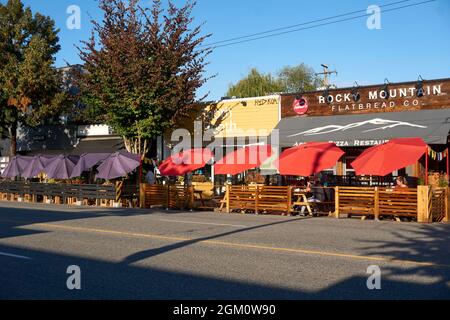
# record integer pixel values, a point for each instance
(447, 205)
(289, 200)
(336, 202)
(142, 195)
(423, 204)
(376, 209)
(227, 198)
(426, 167)
(119, 186)
(168, 197)
(256, 199)
(191, 198)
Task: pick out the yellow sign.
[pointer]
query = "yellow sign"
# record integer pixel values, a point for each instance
(244, 117)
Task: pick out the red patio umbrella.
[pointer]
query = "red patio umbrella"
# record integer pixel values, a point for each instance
(184, 162)
(243, 159)
(308, 159)
(396, 154)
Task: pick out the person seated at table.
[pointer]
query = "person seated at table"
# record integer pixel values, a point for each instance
(316, 189)
(150, 177)
(400, 182)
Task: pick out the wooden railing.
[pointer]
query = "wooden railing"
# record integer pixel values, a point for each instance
(422, 203)
(59, 193)
(376, 202)
(355, 201)
(397, 202)
(440, 204)
(167, 196)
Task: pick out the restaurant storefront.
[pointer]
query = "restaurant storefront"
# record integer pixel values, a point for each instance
(235, 123)
(359, 117)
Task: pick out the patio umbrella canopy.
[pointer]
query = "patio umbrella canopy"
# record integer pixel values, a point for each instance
(396, 154)
(184, 162)
(36, 166)
(16, 166)
(61, 167)
(309, 158)
(243, 159)
(117, 165)
(86, 162)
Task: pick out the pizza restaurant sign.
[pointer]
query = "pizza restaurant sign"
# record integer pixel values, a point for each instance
(352, 143)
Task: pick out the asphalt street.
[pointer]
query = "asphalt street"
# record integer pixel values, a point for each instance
(158, 254)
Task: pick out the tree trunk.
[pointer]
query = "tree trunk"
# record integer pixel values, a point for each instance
(13, 140)
(137, 146)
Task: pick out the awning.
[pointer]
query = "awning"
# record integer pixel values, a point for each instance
(99, 144)
(433, 126)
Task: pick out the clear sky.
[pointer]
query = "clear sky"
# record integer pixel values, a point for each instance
(411, 41)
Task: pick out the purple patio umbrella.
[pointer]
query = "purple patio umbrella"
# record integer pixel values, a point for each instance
(86, 162)
(36, 166)
(61, 167)
(16, 166)
(117, 165)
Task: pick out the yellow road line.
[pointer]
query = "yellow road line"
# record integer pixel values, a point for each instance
(238, 245)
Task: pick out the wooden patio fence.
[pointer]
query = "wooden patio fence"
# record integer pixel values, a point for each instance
(59, 193)
(167, 196)
(422, 203)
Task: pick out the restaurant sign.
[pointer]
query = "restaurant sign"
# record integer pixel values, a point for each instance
(388, 97)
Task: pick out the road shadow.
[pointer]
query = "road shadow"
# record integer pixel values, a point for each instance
(142, 255)
(45, 277)
(426, 243)
(16, 215)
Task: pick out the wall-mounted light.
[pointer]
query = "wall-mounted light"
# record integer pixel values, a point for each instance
(384, 93)
(355, 92)
(419, 87)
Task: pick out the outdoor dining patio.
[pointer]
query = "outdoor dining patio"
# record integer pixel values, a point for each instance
(371, 193)
(97, 179)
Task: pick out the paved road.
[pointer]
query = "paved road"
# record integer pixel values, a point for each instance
(134, 254)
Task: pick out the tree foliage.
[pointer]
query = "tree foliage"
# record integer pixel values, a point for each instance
(255, 84)
(30, 90)
(299, 78)
(142, 68)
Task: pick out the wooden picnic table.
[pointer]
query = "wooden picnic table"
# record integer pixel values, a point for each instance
(200, 197)
(302, 200)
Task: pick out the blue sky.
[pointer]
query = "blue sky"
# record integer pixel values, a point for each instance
(411, 41)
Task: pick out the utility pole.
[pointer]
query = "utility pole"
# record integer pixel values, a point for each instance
(325, 74)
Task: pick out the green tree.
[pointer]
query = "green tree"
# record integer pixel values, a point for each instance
(255, 84)
(299, 78)
(30, 89)
(143, 67)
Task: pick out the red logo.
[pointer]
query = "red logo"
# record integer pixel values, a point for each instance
(300, 106)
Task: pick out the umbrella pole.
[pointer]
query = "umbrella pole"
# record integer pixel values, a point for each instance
(140, 172)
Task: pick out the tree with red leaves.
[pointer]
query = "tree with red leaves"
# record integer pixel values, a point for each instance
(142, 68)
